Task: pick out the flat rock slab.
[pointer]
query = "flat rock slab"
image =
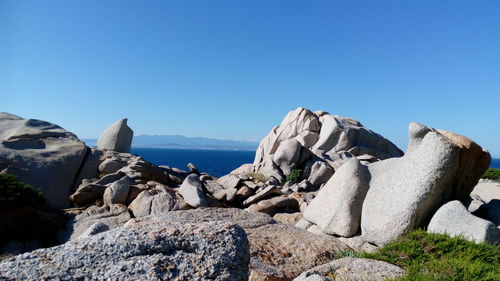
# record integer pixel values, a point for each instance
(143, 249)
(352, 269)
(487, 190)
(278, 251)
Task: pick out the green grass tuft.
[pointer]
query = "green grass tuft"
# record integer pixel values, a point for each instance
(13, 192)
(492, 174)
(294, 176)
(428, 256)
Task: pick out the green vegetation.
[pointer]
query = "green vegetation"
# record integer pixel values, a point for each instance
(427, 256)
(259, 177)
(15, 192)
(294, 176)
(492, 174)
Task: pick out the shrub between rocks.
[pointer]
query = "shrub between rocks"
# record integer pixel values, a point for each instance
(294, 176)
(429, 256)
(14, 192)
(259, 177)
(492, 174)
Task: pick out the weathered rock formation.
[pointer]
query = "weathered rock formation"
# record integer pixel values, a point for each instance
(152, 249)
(278, 251)
(41, 154)
(331, 138)
(391, 197)
(134, 217)
(117, 137)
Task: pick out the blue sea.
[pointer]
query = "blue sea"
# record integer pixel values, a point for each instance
(495, 163)
(214, 162)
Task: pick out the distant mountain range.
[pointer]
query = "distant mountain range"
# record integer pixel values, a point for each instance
(183, 142)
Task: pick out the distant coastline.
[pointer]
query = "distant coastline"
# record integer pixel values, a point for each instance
(223, 146)
(183, 142)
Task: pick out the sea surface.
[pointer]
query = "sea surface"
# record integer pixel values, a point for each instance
(495, 163)
(214, 162)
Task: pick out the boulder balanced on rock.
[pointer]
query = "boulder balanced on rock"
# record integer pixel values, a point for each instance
(117, 137)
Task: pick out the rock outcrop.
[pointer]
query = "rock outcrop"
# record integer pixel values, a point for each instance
(337, 207)
(331, 138)
(278, 251)
(389, 198)
(117, 137)
(41, 154)
(352, 269)
(405, 192)
(454, 219)
(152, 249)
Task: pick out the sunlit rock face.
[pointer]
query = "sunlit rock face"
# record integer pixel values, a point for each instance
(41, 154)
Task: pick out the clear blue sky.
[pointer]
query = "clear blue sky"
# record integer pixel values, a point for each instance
(233, 69)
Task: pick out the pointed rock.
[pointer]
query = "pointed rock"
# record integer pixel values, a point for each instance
(117, 137)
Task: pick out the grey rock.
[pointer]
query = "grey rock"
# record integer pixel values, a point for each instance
(206, 177)
(316, 230)
(213, 186)
(333, 139)
(110, 178)
(156, 202)
(192, 168)
(319, 172)
(290, 155)
(41, 154)
(192, 191)
(270, 170)
(353, 269)
(176, 175)
(110, 166)
(274, 205)
(454, 219)
(144, 249)
(117, 137)
(90, 166)
(250, 184)
(117, 192)
(94, 229)
(113, 216)
(337, 207)
(300, 124)
(224, 194)
(143, 171)
(290, 218)
(244, 192)
(359, 244)
(303, 224)
(489, 211)
(261, 194)
(276, 249)
(87, 193)
(243, 169)
(229, 181)
(405, 192)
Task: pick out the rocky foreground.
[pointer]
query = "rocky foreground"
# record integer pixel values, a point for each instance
(320, 185)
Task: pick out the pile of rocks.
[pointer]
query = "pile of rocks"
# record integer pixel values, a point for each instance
(356, 190)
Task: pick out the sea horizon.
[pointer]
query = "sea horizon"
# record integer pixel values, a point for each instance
(214, 161)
